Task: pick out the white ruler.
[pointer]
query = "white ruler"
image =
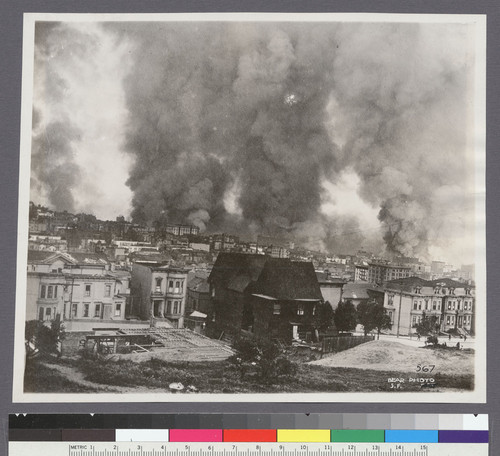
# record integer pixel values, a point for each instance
(244, 449)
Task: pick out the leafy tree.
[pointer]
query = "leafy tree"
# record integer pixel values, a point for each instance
(372, 316)
(323, 317)
(345, 316)
(43, 339)
(428, 325)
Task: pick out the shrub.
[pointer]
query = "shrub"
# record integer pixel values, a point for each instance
(264, 358)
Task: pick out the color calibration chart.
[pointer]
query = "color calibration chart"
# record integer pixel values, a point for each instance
(249, 435)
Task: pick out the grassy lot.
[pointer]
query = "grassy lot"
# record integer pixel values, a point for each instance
(41, 378)
(222, 377)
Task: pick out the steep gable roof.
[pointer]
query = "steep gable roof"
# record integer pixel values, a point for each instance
(228, 266)
(279, 278)
(288, 280)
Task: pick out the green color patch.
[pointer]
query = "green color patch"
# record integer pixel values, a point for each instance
(354, 435)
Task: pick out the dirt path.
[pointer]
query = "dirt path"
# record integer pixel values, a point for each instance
(78, 377)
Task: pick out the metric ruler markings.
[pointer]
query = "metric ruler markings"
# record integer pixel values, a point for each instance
(351, 450)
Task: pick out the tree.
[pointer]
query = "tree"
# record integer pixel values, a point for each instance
(42, 339)
(323, 317)
(345, 316)
(372, 316)
(428, 325)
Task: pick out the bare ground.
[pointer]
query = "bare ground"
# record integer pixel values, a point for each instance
(391, 356)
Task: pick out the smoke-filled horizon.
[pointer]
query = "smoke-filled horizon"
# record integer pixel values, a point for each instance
(338, 135)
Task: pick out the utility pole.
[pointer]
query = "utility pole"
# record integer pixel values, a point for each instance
(399, 311)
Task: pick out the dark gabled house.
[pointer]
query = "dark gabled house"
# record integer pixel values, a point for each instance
(271, 297)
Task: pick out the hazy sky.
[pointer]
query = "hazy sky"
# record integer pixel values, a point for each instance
(341, 135)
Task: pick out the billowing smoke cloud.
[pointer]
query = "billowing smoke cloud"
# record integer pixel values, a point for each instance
(401, 110)
(218, 106)
(245, 127)
(282, 108)
(78, 117)
(52, 164)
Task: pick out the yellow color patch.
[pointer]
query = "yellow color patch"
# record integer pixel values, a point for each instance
(303, 435)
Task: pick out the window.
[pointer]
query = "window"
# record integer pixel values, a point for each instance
(276, 309)
(177, 287)
(48, 313)
(169, 307)
(158, 284)
(300, 309)
(447, 319)
(97, 310)
(86, 309)
(449, 305)
(118, 310)
(55, 291)
(107, 290)
(419, 305)
(414, 320)
(87, 290)
(50, 291)
(433, 305)
(426, 304)
(74, 310)
(42, 291)
(176, 307)
(415, 304)
(170, 285)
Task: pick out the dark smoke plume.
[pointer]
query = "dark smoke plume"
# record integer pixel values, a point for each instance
(52, 164)
(53, 168)
(238, 126)
(214, 106)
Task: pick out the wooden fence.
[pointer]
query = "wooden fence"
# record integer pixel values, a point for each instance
(334, 344)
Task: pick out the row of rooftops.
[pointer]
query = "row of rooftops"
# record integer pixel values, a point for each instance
(262, 275)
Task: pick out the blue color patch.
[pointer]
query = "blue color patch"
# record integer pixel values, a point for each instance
(411, 436)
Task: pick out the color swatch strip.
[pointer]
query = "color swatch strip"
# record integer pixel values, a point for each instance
(251, 435)
(263, 421)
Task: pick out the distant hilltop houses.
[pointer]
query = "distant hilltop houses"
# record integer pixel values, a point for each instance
(92, 274)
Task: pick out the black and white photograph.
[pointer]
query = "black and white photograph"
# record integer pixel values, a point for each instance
(252, 207)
